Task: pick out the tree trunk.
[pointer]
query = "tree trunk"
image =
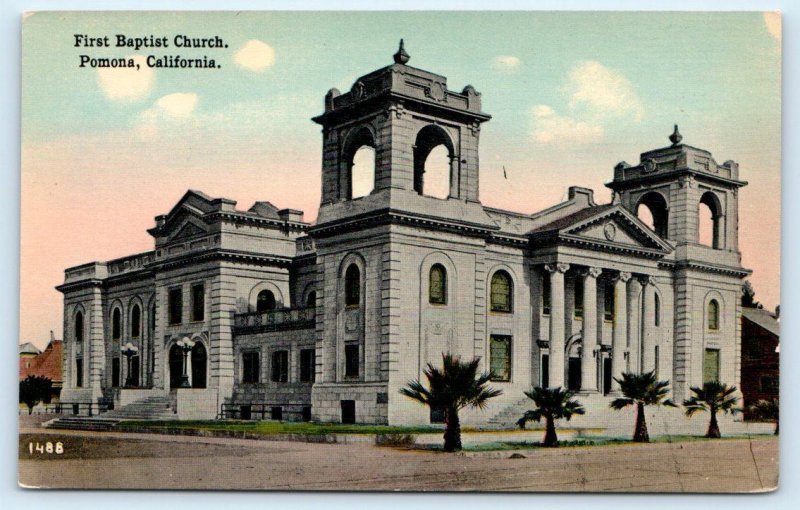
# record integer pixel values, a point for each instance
(452, 431)
(640, 434)
(550, 437)
(713, 426)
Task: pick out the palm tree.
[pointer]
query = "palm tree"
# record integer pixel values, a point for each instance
(641, 390)
(453, 387)
(767, 410)
(712, 397)
(551, 404)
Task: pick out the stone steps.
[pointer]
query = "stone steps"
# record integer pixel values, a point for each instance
(150, 408)
(95, 423)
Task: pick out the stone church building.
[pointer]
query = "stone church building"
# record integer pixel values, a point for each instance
(258, 314)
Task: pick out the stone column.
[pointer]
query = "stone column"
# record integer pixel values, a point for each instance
(620, 334)
(634, 329)
(589, 331)
(557, 340)
(648, 355)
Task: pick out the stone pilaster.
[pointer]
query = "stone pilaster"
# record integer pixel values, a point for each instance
(634, 326)
(648, 354)
(95, 355)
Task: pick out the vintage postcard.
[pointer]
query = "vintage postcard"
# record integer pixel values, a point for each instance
(416, 251)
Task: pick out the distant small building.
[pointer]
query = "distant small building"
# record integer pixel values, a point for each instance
(27, 353)
(760, 355)
(45, 363)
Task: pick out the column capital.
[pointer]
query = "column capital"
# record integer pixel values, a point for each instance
(593, 272)
(558, 267)
(622, 276)
(646, 280)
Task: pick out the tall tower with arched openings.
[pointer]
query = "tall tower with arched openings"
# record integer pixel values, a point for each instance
(367, 245)
(675, 183)
(403, 113)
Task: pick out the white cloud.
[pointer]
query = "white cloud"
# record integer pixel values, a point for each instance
(170, 108)
(772, 20)
(549, 127)
(506, 63)
(255, 56)
(603, 92)
(127, 83)
(180, 104)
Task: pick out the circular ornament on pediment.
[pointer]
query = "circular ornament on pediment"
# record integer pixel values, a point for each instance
(649, 166)
(610, 231)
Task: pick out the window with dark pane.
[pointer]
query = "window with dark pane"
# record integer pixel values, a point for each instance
(198, 302)
(711, 365)
(437, 289)
(351, 360)
(578, 297)
(136, 321)
(116, 324)
(713, 315)
(501, 288)
(250, 367)
(352, 286)
(608, 301)
(500, 357)
(265, 301)
(546, 294)
(175, 299)
(280, 366)
(307, 365)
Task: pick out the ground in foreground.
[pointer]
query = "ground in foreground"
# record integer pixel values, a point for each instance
(152, 461)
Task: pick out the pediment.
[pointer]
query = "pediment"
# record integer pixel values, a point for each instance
(617, 226)
(186, 228)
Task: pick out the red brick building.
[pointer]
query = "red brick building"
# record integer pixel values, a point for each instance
(45, 364)
(760, 355)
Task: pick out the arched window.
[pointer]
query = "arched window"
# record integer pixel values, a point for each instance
(352, 286)
(136, 321)
(311, 299)
(652, 210)
(79, 327)
(116, 324)
(433, 153)
(713, 315)
(265, 301)
(437, 288)
(657, 310)
(709, 215)
(501, 292)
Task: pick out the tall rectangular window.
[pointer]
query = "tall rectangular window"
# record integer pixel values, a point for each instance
(545, 370)
(500, 357)
(115, 372)
(250, 367)
(307, 365)
(546, 294)
(711, 365)
(655, 355)
(79, 372)
(351, 360)
(198, 302)
(280, 366)
(175, 305)
(608, 301)
(578, 297)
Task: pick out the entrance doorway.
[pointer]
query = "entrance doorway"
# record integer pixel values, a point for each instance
(175, 366)
(134, 375)
(199, 358)
(606, 376)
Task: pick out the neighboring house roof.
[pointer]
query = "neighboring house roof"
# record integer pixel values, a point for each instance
(763, 318)
(47, 364)
(28, 348)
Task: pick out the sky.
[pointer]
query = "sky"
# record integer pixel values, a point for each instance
(571, 94)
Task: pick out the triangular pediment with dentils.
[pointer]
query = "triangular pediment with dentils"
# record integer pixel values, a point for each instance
(609, 226)
(187, 230)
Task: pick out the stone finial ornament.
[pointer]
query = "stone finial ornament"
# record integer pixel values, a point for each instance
(675, 137)
(401, 57)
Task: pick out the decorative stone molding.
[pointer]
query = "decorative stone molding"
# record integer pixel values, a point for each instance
(594, 272)
(622, 276)
(646, 280)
